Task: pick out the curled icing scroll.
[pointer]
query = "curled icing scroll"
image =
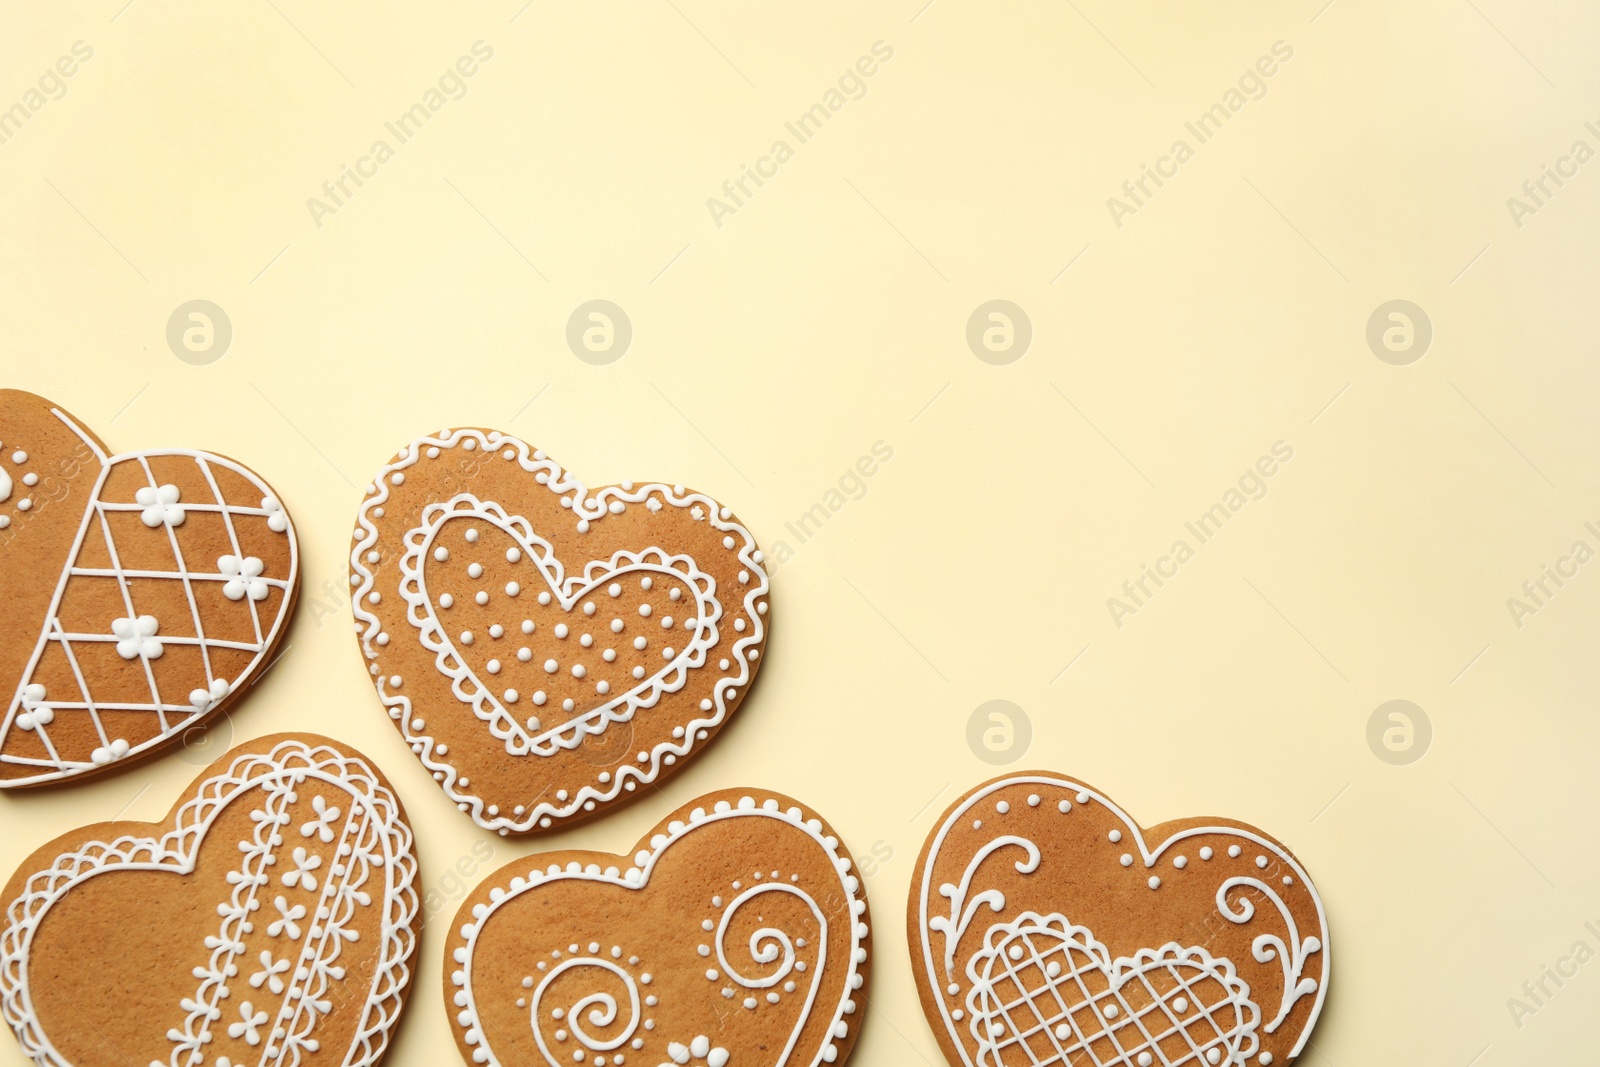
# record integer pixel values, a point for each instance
(1268, 947)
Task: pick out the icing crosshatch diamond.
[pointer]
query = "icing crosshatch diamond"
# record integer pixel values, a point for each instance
(158, 584)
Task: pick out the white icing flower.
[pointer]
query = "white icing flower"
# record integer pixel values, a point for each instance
(137, 637)
(249, 1024)
(321, 825)
(277, 518)
(304, 864)
(35, 712)
(206, 699)
(288, 920)
(244, 577)
(699, 1049)
(160, 506)
(271, 967)
(109, 753)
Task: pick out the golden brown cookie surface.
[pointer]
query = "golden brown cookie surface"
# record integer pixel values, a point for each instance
(146, 591)
(271, 918)
(1047, 927)
(544, 648)
(736, 934)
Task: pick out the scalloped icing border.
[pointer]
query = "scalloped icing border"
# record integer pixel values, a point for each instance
(502, 724)
(176, 851)
(638, 877)
(586, 509)
(1147, 854)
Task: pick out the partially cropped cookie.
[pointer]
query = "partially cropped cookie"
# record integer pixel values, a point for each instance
(547, 649)
(271, 918)
(737, 933)
(143, 592)
(1047, 927)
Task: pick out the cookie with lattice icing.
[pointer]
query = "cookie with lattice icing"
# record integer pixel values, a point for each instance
(1047, 927)
(547, 649)
(271, 918)
(737, 933)
(146, 591)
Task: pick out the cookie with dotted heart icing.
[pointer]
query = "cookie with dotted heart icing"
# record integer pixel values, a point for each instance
(271, 918)
(1047, 927)
(736, 936)
(545, 648)
(147, 591)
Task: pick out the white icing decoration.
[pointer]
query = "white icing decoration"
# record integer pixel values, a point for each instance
(173, 712)
(981, 1015)
(584, 509)
(5, 485)
(244, 578)
(276, 1005)
(1050, 958)
(767, 945)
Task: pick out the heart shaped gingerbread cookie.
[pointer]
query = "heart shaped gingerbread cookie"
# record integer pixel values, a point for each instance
(543, 647)
(1047, 927)
(147, 591)
(271, 919)
(736, 936)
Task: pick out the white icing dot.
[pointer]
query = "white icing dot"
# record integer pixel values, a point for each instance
(727, 542)
(1002, 807)
(527, 626)
(1115, 836)
(551, 666)
(1261, 861)
(639, 643)
(1111, 1011)
(524, 654)
(441, 553)
(1126, 860)
(494, 666)
(616, 626)
(1206, 853)
(512, 589)
(615, 589)
(1033, 800)
(539, 698)
(644, 609)
(1064, 807)
(513, 555)
(24, 504)
(511, 696)
(475, 570)
(1234, 850)
(497, 630)
(472, 532)
(466, 637)
(666, 622)
(544, 599)
(19, 457)
(561, 629)
(1155, 883)
(646, 582)
(481, 597)
(397, 478)
(447, 601)
(578, 670)
(1181, 862)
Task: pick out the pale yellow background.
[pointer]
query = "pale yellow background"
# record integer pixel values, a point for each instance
(829, 313)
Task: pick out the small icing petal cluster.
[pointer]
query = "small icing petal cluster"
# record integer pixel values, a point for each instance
(244, 578)
(699, 1049)
(161, 507)
(137, 637)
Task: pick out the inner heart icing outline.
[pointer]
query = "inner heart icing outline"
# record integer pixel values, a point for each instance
(568, 592)
(611, 996)
(371, 864)
(1258, 886)
(1197, 1009)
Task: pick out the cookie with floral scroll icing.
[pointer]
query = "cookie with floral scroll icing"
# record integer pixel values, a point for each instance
(272, 917)
(547, 649)
(144, 592)
(1047, 927)
(736, 934)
